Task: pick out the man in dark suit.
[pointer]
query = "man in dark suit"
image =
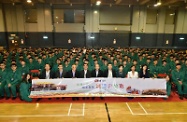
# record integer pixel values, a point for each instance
(60, 73)
(97, 72)
(109, 73)
(85, 73)
(73, 73)
(47, 73)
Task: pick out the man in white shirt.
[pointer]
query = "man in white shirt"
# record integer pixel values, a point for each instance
(110, 73)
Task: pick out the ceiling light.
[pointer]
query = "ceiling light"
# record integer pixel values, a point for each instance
(138, 38)
(98, 3)
(158, 3)
(92, 37)
(95, 12)
(172, 14)
(181, 38)
(29, 1)
(45, 37)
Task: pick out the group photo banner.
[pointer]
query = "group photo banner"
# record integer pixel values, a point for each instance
(98, 87)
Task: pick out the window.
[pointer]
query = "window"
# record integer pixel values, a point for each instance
(69, 16)
(31, 15)
(151, 16)
(170, 16)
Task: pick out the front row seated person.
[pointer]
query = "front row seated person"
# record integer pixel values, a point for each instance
(47, 73)
(109, 73)
(133, 73)
(13, 80)
(25, 88)
(178, 77)
(144, 73)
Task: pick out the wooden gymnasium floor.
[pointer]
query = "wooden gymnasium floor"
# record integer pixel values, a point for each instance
(94, 112)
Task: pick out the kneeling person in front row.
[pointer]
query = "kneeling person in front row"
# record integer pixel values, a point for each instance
(25, 88)
(14, 78)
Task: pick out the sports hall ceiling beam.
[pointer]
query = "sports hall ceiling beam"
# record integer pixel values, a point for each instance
(41, 1)
(118, 1)
(143, 2)
(171, 2)
(67, 1)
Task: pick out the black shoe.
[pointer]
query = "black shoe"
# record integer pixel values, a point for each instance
(7, 98)
(93, 98)
(49, 98)
(83, 98)
(57, 98)
(14, 98)
(102, 98)
(38, 99)
(77, 98)
(181, 97)
(2, 97)
(73, 98)
(63, 98)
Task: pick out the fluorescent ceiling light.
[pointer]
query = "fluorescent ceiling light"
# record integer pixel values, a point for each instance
(95, 12)
(138, 38)
(172, 14)
(181, 38)
(29, 1)
(98, 3)
(45, 37)
(92, 37)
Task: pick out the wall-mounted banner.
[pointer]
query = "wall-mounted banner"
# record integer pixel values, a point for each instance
(105, 87)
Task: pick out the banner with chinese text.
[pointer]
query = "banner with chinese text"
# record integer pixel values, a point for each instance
(106, 87)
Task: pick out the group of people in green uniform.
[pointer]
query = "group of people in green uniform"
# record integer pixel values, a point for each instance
(15, 66)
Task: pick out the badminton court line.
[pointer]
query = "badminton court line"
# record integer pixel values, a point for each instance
(69, 110)
(142, 108)
(129, 108)
(83, 109)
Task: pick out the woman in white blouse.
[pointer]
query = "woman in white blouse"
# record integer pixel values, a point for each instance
(133, 73)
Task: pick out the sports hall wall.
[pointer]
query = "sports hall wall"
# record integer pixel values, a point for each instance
(102, 25)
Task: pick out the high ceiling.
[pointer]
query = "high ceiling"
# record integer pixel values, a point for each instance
(172, 3)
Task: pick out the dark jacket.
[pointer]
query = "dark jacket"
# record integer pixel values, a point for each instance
(88, 74)
(43, 74)
(69, 74)
(146, 75)
(57, 74)
(106, 73)
(100, 73)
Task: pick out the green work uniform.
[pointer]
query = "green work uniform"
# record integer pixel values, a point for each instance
(3, 78)
(164, 69)
(179, 76)
(25, 91)
(14, 79)
(154, 70)
(24, 70)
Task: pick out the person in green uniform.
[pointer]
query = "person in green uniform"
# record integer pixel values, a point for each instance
(3, 78)
(164, 68)
(39, 64)
(154, 69)
(178, 77)
(23, 69)
(25, 88)
(13, 80)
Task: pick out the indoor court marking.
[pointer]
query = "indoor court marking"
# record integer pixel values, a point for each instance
(95, 112)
